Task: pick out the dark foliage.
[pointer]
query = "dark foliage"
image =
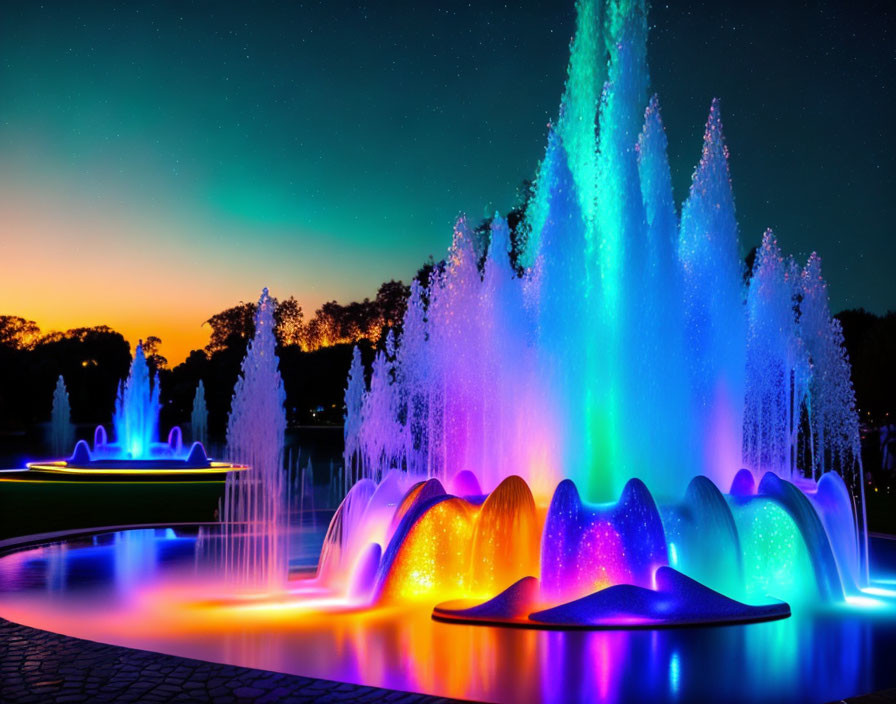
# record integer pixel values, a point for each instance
(314, 355)
(519, 229)
(871, 343)
(92, 361)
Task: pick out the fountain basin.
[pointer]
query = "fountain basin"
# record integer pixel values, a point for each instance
(166, 468)
(160, 460)
(136, 451)
(134, 587)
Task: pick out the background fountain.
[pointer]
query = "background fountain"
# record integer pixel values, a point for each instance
(135, 422)
(199, 416)
(61, 430)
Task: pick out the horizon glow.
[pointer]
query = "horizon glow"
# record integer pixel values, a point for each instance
(158, 165)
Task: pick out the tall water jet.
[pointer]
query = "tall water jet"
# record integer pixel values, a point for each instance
(414, 400)
(354, 401)
(777, 368)
(576, 125)
(199, 416)
(136, 418)
(61, 430)
(656, 350)
(255, 519)
(833, 438)
(380, 433)
(712, 271)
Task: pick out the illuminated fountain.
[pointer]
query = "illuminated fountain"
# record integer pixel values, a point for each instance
(61, 430)
(254, 512)
(630, 434)
(552, 449)
(199, 416)
(136, 449)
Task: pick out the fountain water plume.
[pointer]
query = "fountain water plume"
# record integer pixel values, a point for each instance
(136, 446)
(136, 419)
(630, 346)
(253, 511)
(354, 399)
(630, 363)
(61, 430)
(199, 416)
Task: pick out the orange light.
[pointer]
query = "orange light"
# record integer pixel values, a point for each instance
(458, 549)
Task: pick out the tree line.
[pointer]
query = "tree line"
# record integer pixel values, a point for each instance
(93, 361)
(315, 354)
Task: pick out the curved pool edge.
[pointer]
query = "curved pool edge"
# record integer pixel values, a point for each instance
(42, 665)
(38, 665)
(23, 542)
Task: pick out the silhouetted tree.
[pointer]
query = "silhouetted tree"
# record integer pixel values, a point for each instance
(154, 360)
(17, 332)
(92, 360)
(234, 325)
(519, 226)
(392, 300)
(424, 273)
(289, 322)
(870, 341)
(749, 261)
(336, 324)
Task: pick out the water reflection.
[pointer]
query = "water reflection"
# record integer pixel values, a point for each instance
(140, 588)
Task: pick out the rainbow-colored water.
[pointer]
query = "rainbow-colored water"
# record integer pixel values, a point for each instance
(629, 345)
(555, 415)
(142, 589)
(510, 558)
(632, 431)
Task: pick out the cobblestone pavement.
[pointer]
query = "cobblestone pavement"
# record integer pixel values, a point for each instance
(40, 666)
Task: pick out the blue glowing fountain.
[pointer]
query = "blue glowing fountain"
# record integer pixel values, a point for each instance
(136, 448)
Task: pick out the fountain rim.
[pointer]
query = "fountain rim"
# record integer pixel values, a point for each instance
(20, 543)
(24, 543)
(133, 467)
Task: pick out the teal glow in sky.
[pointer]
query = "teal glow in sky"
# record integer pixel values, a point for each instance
(161, 161)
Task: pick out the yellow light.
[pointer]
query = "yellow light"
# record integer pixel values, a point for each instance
(99, 481)
(458, 549)
(63, 467)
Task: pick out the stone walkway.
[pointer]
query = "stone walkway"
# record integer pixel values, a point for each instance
(39, 666)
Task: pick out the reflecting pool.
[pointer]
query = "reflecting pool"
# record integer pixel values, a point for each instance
(138, 588)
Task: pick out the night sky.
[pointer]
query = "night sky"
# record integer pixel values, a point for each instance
(162, 161)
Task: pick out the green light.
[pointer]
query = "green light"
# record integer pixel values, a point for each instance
(776, 561)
